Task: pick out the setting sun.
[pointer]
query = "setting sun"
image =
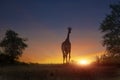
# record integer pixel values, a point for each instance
(83, 62)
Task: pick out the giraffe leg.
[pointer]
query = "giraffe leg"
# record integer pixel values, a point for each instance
(63, 59)
(63, 55)
(69, 57)
(66, 59)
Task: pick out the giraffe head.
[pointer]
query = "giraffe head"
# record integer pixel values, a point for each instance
(69, 29)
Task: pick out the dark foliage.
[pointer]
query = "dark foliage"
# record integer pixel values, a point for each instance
(4, 59)
(111, 29)
(12, 46)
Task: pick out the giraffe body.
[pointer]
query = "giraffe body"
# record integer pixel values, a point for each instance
(66, 48)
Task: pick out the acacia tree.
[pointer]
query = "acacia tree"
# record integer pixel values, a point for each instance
(111, 29)
(13, 45)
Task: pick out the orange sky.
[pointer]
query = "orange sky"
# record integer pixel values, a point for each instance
(49, 51)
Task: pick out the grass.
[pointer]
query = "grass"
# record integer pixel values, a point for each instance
(58, 72)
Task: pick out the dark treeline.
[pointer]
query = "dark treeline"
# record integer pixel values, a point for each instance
(110, 27)
(12, 47)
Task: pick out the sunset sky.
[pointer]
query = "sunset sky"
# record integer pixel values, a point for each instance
(44, 23)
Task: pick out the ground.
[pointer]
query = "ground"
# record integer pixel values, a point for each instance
(59, 72)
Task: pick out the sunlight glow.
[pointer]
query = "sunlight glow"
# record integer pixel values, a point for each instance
(83, 62)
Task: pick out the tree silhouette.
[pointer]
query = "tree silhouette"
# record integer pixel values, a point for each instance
(111, 29)
(13, 45)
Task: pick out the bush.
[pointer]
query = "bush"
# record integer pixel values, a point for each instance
(108, 60)
(4, 59)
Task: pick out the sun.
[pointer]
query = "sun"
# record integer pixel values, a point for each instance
(83, 62)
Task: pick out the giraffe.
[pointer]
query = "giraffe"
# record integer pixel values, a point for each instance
(66, 47)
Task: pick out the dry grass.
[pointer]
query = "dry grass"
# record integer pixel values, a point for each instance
(59, 72)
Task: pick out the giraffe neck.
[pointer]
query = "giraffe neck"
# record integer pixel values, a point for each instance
(68, 35)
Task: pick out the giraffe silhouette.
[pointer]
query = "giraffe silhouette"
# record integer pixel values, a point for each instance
(66, 47)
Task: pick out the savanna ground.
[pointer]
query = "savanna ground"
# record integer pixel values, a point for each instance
(59, 72)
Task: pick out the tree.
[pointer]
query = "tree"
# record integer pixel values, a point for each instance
(13, 45)
(111, 29)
